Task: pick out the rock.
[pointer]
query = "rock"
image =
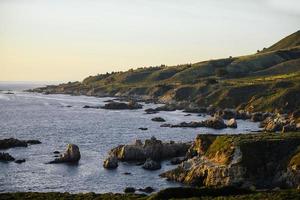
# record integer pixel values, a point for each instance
(127, 173)
(151, 111)
(158, 119)
(12, 142)
(111, 162)
(177, 160)
(20, 161)
(256, 161)
(95, 107)
(33, 142)
(227, 113)
(151, 148)
(147, 190)
(195, 110)
(257, 117)
(143, 129)
(167, 107)
(56, 152)
(200, 145)
(71, 155)
(232, 123)
(129, 190)
(215, 122)
(6, 157)
(151, 165)
(242, 114)
(187, 115)
(122, 106)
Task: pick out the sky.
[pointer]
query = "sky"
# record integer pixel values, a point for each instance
(68, 40)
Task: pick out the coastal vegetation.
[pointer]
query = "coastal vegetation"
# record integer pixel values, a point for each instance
(265, 81)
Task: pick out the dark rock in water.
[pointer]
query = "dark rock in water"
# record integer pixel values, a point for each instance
(185, 125)
(56, 156)
(129, 190)
(143, 129)
(166, 125)
(147, 190)
(257, 117)
(122, 106)
(151, 111)
(187, 115)
(95, 107)
(151, 165)
(111, 162)
(177, 160)
(33, 142)
(12, 142)
(68, 106)
(56, 152)
(226, 113)
(158, 119)
(167, 107)
(20, 161)
(232, 123)
(9, 93)
(71, 155)
(6, 157)
(127, 173)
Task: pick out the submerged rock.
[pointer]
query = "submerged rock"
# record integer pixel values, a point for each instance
(158, 119)
(122, 106)
(129, 190)
(20, 161)
(147, 190)
(151, 165)
(12, 142)
(71, 155)
(151, 111)
(143, 129)
(6, 157)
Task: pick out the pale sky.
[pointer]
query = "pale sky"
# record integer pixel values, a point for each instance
(67, 40)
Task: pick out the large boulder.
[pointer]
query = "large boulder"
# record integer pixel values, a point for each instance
(152, 148)
(227, 113)
(215, 122)
(6, 157)
(111, 162)
(71, 155)
(151, 165)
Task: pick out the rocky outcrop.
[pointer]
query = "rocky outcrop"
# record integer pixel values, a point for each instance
(259, 161)
(215, 122)
(12, 142)
(122, 106)
(232, 123)
(6, 157)
(281, 122)
(152, 149)
(71, 155)
(151, 165)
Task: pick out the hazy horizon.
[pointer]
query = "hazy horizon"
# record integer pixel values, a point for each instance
(63, 40)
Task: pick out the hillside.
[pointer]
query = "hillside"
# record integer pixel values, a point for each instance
(268, 81)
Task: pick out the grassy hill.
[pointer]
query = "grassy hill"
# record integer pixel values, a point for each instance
(267, 80)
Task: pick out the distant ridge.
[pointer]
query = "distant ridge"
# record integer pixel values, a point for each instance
(288, 42)
(263, 81)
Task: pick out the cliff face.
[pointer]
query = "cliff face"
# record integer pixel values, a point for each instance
(261, 161)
